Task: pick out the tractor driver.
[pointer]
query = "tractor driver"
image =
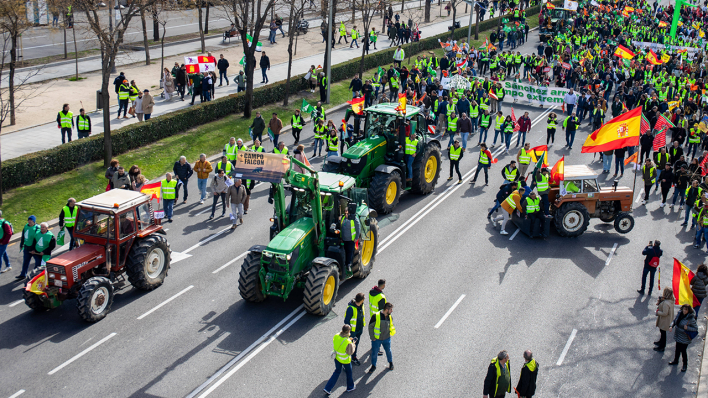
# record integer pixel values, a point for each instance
(350, 228)
(410, 151)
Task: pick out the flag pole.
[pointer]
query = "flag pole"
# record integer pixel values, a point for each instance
(634, 183)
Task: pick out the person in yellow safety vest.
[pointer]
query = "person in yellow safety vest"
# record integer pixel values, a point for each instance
(526, 387)
(451, 127)
(297, 122)
(532, 209)
(649, 177)
(373, 37)
(281, 149)
(168, 193)
(498, 380)
(355, 35)
(455, 154)
(133, 95)
(511, 204)
(83, 124)
(542, 181)
(694, 140)
(67, 218)
(65, 121)
(343, 346)
(510, 173)
(322, 81)
(342, 33)
(332, 143)
(381, 329)
(224, 164)
(349, 232)
(410, 151)
(498, 128)
(240, 147)
(355, 317)
(320, 137)
(123, 97)
(230, 150)
(523, 157)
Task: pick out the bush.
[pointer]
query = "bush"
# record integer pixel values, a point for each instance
(33, 167)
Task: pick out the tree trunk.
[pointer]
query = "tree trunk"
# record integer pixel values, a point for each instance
(206, 20)
(107, 145)
(11, 77)
(476, 26)
(145, 37)
(403, 5)
(155, 24)
(291, 38)
(162, 46)
(454, 15)
(66, 54)
(353, 3)
(201, 29)
(76, 53)
(427, 10)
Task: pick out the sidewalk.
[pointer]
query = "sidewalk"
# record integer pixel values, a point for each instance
(45, 136)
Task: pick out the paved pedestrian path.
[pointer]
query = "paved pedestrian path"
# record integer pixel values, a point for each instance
(46, 136)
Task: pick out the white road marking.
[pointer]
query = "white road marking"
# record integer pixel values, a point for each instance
(203, 211)
(244, 352)
(640, 196)
(447, 314)
(177, 257)
(82, 353)
(16, 302)
(166, 229)
(165, 302)
(206, 240)
(514, 234)
(242, 255)
(17, 394)
(612, 253)
(567, 347)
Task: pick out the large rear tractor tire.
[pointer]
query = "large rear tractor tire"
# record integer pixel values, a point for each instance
(148, 262)
(571, 219)
(95, 299)
(364, 259)
(384, 192)
(32, 300)
(624, 222)
(426, 170)
(249, 284)
(321, 289)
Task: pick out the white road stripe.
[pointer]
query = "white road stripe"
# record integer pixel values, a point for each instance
(447, 314)
(514, 234)
(165, 302)
(17, 394)
(567, 347)
(16, 302)
(640, 196)
(242, 255)
(253, 354)
(612, 253)
(206, 240)
(203, 211)
(82, 353)
(243, 353)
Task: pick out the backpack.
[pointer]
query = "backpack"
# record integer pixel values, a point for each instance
(3, 222)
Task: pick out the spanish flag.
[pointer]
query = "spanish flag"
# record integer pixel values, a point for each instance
(619, 132)
(663, 24)
(652, 58)
(624, 52)
(558, 171)
(153, 190)
(681, 285)
(550, 6)
(38, 284)
(357, 105)
(402, 103)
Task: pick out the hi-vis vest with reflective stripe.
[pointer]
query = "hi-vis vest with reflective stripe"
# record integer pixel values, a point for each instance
(533, 206)
(411, 146)
(168, 189)
(484, 120)
(474, 111)
(499, 121)
(231, 151)
(543, 184)
(69, 218)
(355, 315)
(296, 122)
(451, 124)
(377, 325)
(332, 143)
(257, 149)
(284, 152)
(320, 132)
(220, 166)
(83, 123)
(340, 347)
(352, 227)
(510, 201)
(483, 158)
(495, 361)
(66, 119)
(524, 158)
(123, 92)
(455, 153)
(374, 302)
(510, 175)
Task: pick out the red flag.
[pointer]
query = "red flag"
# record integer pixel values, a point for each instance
(513, 119)
(203, 59)
(558, 171)
(660, 140)
(357, 105)
(192, 68)
(703, 166)
(644, 126)
(663, 122)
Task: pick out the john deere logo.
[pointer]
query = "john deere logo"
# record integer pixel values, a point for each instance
(622, 130)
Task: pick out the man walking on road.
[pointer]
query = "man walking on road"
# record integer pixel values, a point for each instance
(355, 317)
(65, 122)
(649, 177)
(183, 171)
(498, 380)
(275, 125)
(343, 349)
(455, 154)
(27, 244)
(526, 388)
(297, 123)
(236, 197)
(381, 330)
(485, 160)
(651, 261)
(168, 186)
(570, 100)
(203, 168)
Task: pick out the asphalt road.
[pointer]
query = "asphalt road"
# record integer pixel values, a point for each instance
(572, 301)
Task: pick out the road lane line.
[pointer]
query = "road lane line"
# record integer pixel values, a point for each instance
(251, 356)
(612, 253)
(514, 234)
(203, 211)
(82, 353)
(243, 353)
(206, 240)
(242, 255)
(447, 314)
(639, 197)
(17, 394)
(16, 302)
(165, 302)
(567, 347)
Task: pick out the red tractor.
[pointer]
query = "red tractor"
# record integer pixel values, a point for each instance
(121, 235)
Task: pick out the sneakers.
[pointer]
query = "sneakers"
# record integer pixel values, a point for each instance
(504, 232)
(671, 206)
(684, 224)
(662, 205)
(201, 202)
(327, 392)
(390, 366)
(356, 362)
(449, 179)
(681, 207)
(372, 369)
(353, 388)
(459, 182)
(5, 270)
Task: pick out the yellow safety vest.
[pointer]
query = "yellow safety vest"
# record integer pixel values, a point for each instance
(168, 188)
(83, 123)
(355, 313)
(533, 206)
(499, 122)
(495, 361)
(451, 124)
(510, 175)
(69, 216)
(455, 153)
(66, 119)
(296, 122)
(524, 158)
(543, 184)
(231, 151)
(374, 303)
(123, 92)
(483, 158)
(377, 326)
(340, 348)
(411, 146)
(510, 201)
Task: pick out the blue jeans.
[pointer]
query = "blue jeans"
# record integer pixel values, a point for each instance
(271, 36)
(701, 232)
(276, 138)
(146, 117)
(265, 77)
(338, 371)
(545, 203)
(207, 95)
(409, 166)
(169, 204)
(332, 153)
(3, 256)
(464, 139)
(482, 134)
(688, 214)
(496, 206)
(320, 143)
(122, 104)
(474, 125)
(222, 76)
(648, 269)
(354, 43)
(498, 132)
(569, 137)
(202, 186)
(677, 194)
(26, 258)
(507, 140)
(376, 346)
(606, 162)
(501, 46)
(521, 137)
(569, 109)
(619, 165)
(452, 138)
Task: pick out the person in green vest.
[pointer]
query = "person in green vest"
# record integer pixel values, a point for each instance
(67, 218)
(332, 143)
(498, 380)
(230, 150)
(133, 95)
(381, 329)
(355, 317)
(27, 244)
(65, 122)
(373, 36)
(350, 230)
(83, 124)
(168, 188)
(297, 122)
(281, 149)
(451, 126)
(532, 211)
(355, 35)
(123, 97)
(342, 33)
(44, 243)
(523, 157)
(485, 119)
(343, 348)
(5, 235)
(455, 153)
(410, 152)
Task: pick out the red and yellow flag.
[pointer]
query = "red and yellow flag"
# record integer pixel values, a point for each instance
(652, 58)
(550, 6)
(357, 105)
(681, 285)
(624, 52)
(192, 68)
(203, 59)
(619, 132)
(153, 190)
(38, 284)
(402, 103)
(663, 24)
(558, 171)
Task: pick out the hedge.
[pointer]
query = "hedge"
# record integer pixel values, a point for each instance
(33, 167)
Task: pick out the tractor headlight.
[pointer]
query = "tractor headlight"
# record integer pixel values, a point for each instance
(288, 257)
(267, 255)
(62, 277)
(281, 257)
(51, 276)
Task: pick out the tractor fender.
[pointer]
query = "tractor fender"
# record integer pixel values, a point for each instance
(161, 231)
(434, 141)
(334, 159)
(324, 262)
(257, 248)
(386, 169)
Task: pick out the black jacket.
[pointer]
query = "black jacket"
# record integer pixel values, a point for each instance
(675, 154)
(264, 62)
(359, 318)
(181, 77)
(651, 252)
(490, 381)
(527, 379)
(183, 171)
(87, 117)
(356, 84)
(222, 64)
(646, 141)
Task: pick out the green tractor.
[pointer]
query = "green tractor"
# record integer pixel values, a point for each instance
(305, 250)
(377, 161)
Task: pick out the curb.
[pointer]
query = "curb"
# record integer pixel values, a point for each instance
(213, 158)
(702, 383)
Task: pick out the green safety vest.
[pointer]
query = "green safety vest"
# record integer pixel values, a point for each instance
(510, 175)
(450, 108)
(354, 34)
(29, 233)
(66, 119)
(352, 229)
(533, 206)
(653, 169)
(412, 145)
(374, 303)
(43, 241)
(524, 158)
(373, 36)
(284, 152)
(340, 348)
(220, 166)
(552, 123)
(542, 185)
(231, 151)
(259, 149)
(484, 121)
(499, 122)
(694, 136)
(134, 90)
(483, 158)
(296, 122)
(495, 361)
(435, 106)
(168, 188)
(83, 123)
(123, 92)
(474, 111)
(69, 217)
(319, 132)
(509, 129)
(455, 153)
(377, 326)
(452, 124)
(355, 314)
(484, 103)
(394, 82)
(332, 144)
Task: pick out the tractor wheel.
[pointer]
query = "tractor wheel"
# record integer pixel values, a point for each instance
(364, 260)
(426, 170)
(572, 219)
(384, 192)
(624, 223)
(32, 300)
(321, 289)
(331, 167)
(249, 284)
(95, 299)
(148, 262)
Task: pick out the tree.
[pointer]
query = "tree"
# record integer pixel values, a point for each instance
(367, 8)
(110, 41)
(297, 12)
(201, 28)
(428, 3)
(453, 5)
(13, 22)
(145, 35)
